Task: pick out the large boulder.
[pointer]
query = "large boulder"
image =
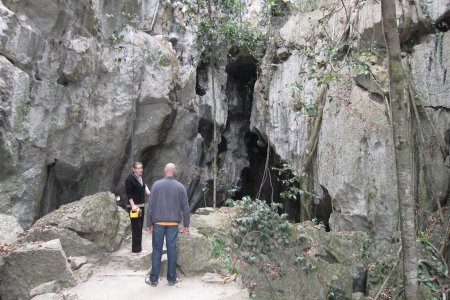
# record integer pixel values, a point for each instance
(195, 250)
(90, 226)
(31, 265)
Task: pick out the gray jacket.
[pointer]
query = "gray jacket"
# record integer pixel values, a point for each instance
(168, 201)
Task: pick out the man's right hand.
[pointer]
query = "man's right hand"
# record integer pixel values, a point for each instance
(134, 207)
(150, 229)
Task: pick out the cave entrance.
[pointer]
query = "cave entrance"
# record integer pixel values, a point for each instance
(256, 179)
(322, 208)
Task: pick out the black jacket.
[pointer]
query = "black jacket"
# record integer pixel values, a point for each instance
(135, 190)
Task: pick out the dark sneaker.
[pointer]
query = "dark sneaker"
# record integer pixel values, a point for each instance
(148, 281)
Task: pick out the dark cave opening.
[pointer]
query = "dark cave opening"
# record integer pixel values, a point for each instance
(254, 182)
(256, 179)
(322, 208)
(206, 129)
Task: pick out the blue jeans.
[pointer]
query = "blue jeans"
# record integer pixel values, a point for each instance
(170, 233)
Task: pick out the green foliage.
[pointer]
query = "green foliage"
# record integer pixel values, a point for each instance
(241, 36)
(223, 26)
(380, 269)
(303, 109)
(306, 5)
(327, 78)
(307, 266)
(319, 224)
(423, 238)
(303, 237)
(221, 250)
(130, 17)
(218, 242)
(366, 245)
(156, 54)
(260, 229)
(335, 292)
(291, 180)
(116, 41)
(437, 264)
(273, 7)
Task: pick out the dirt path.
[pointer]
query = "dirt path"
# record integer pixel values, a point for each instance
(125, 284)
(117, 280)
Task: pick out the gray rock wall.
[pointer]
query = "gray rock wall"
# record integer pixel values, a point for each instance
(83, 96)
(354, 162)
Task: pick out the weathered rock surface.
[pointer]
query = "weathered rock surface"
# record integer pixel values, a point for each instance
(88, 87)
(32, 265)
(10, 229)
(45, 288)
(90, 226)
(347, 163)
(354, 161)
(430, 62)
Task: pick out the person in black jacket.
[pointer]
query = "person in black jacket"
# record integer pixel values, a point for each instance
(136, 190)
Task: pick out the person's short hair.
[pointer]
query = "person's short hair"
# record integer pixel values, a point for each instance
(136, 163)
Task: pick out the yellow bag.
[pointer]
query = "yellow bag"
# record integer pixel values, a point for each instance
(135, 214)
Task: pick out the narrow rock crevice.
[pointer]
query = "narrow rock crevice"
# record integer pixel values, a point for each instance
(323, 207)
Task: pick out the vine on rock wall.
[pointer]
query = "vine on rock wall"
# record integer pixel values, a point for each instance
(257, 234)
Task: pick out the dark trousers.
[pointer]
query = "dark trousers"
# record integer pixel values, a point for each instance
(136, 232)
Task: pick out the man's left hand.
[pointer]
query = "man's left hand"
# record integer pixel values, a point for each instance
(184, 229)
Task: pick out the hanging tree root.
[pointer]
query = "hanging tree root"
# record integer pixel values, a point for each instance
(310, 150)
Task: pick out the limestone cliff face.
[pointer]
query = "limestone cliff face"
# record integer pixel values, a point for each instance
(88, 87)
(354, 165)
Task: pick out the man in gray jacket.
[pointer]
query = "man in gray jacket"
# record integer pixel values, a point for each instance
(168, 201)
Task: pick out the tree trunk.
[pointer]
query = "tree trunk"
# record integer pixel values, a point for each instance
(403, 153)
(213, 94)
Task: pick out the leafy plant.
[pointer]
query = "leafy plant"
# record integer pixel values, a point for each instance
(303, 237)
(116, 40)
(261, 228)
(365, 246)
(309, 268)
(157, 55)
(290, 180)
(223, 25)
(319, 224)
(380, 269)
(218, 242)
(273, 7)
(131, 17)
(335, 292)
